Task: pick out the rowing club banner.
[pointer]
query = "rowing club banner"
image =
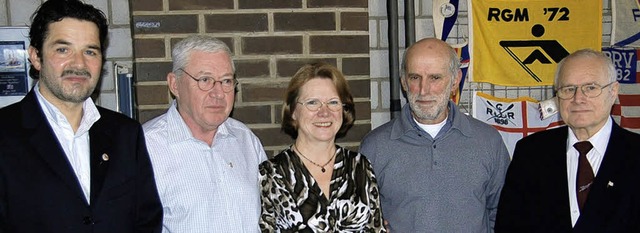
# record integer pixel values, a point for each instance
(513, 118)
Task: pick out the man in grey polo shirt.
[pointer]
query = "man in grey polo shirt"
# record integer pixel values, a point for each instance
(438, 169)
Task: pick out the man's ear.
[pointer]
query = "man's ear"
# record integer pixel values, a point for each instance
(403, 82)
(172, 82)
(456, 81)
(34, 58)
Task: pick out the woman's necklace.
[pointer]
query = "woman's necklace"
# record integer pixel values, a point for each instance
(314, 163)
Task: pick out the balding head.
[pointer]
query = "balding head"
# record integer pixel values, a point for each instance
(430, 46)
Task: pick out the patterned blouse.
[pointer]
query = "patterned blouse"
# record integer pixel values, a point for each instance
(293, 202)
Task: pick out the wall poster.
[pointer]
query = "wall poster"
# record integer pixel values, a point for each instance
(14, 65)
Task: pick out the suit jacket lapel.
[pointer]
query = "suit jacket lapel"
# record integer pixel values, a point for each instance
(558, 171)
(612, 161)
(100, 142)
(46, 144)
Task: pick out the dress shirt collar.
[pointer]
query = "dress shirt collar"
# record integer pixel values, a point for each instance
(598, 140)
(406, 124)
(180, 132)
(55, 117)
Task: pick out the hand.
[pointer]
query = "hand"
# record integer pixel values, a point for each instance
(386, 226)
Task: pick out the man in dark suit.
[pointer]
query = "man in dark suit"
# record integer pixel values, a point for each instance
(583, 177)
(67, 165)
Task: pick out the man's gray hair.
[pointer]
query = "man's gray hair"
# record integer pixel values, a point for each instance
(182, 50)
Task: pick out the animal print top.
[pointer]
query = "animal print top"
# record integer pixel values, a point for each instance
(293, 202)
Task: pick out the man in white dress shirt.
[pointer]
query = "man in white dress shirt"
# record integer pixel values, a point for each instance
(206, 163)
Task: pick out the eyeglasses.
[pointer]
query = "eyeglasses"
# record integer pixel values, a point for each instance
(315, 105)
(589, 90)
(207, 83)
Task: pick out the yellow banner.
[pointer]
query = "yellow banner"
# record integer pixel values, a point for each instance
(520, 42)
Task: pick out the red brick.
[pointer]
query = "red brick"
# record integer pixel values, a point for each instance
(146, 5)
(356, 133)
(355, 66)
(236, 23)
(363, 110)
(252, 68)
(162, 24)
(272, 45)
(152, 95)
(354, 21)
(339, 44)
(338, 3)
(269, 4)
(146, 115)
(263, 92)
(200, 4)
(360, 88)
(317, 21)
(152, 71)
(149, 48)
(253, 114)
(273, 137)
(288, 67)
(278, 113)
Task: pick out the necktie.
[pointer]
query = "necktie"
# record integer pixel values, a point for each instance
(585, 172)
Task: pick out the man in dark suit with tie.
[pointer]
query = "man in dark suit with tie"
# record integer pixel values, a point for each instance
(583, 177)
(67, 165)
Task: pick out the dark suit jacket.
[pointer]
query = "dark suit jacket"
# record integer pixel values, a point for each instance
(535, 196)
(39, 191)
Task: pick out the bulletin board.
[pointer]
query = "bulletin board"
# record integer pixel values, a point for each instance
(14, 65)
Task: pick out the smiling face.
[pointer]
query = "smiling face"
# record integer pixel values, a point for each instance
(203, 111)
(583, 113)
(321, 125)
(70, 61)
(428, 80)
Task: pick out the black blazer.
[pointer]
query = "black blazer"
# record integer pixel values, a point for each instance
(39, 191)
(535, 196)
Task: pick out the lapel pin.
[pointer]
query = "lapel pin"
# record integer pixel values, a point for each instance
(610, 184)
(105, 157)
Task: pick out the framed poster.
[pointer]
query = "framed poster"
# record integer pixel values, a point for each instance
(14, 65)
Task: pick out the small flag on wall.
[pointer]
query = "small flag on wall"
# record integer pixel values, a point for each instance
(626, 110)
(513, 118)
(625, 29)
(463, 53)
(445, 14)
(626, 61)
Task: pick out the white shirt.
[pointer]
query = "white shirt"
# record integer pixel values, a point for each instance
(595, 156)
(75, 145)
(432, 130)
(205, 188)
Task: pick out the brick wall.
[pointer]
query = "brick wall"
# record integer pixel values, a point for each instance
(270, 40)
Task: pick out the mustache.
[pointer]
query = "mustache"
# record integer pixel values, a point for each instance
(76, 73)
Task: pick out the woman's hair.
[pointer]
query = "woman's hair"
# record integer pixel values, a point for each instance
(313, 71)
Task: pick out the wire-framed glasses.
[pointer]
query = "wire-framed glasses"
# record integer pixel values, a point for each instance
(206, 83)
(591, 90)
(314, 105)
